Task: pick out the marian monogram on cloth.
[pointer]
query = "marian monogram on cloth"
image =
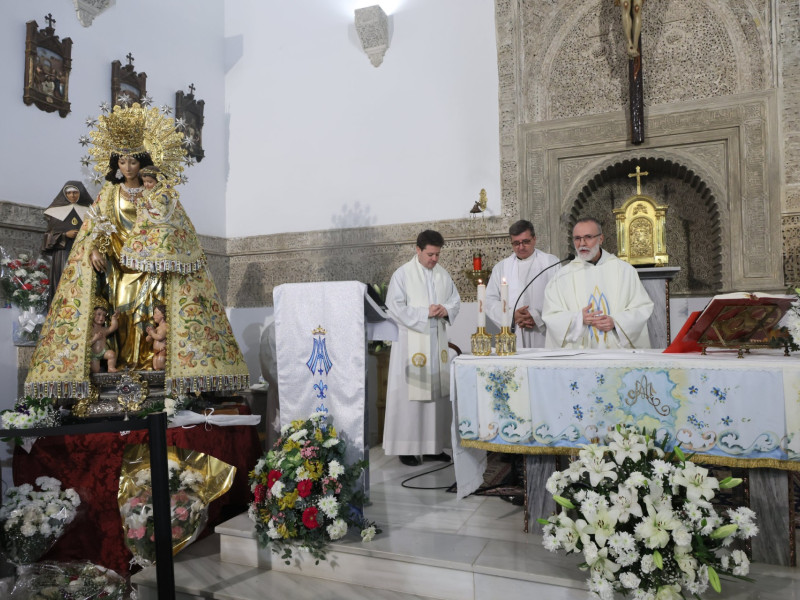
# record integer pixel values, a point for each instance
(321, 355)
(706, 405)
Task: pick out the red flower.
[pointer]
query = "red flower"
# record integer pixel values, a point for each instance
(304, 488)
(45, 282)
(259, 493)
(310, 517)
(274, 475)
(27, 287)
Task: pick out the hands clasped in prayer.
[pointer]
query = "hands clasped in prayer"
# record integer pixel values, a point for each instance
(437, 311)
(597, 319)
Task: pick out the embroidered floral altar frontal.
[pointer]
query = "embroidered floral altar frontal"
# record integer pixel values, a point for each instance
(736, 412)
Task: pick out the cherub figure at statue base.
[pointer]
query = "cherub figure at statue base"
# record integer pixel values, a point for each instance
(99, 342)
(158, 335)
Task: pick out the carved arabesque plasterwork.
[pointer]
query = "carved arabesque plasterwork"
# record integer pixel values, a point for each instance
(574, 63)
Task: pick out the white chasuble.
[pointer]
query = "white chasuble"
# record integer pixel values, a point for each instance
(611, 287)
(321, 354)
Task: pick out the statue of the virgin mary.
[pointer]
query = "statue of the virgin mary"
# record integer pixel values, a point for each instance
(136, 257)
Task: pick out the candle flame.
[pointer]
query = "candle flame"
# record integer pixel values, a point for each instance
(480, 281)
(504, 280)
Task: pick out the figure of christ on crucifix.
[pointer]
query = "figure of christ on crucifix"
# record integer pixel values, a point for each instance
(632, 28)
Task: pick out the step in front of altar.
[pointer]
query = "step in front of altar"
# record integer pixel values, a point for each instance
(401, 564)
(405, 564)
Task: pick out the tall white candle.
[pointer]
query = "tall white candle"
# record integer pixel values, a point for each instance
(481, 304)
(506, 320)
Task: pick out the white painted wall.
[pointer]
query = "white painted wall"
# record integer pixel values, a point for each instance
(176, 43)
(320, 139)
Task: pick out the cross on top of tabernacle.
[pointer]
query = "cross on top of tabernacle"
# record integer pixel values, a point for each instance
(130, 59)
(191, 88)
(50, 20)
(638, 174)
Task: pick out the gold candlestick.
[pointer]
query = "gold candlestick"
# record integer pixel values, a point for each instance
(506, 342)
(481, 342)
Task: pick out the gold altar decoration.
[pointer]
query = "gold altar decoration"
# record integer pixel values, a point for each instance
(641, 232)
(641, 228)
(506, 342)
(481, 342)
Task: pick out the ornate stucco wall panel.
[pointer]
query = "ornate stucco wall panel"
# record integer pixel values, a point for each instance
(573, 54)
(726, 143)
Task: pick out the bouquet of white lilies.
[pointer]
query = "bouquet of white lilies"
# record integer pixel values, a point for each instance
(644, 521)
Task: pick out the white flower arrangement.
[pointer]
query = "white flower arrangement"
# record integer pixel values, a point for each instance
(32, 520)
(644, 521)
(29, 413)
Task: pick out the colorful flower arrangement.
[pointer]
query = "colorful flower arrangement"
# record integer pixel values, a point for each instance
(32, 520)
(187, 510)
(68, 581)
(25, 281)
(304, 494)
(644, 520)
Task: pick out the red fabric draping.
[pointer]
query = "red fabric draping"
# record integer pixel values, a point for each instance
(91, 464)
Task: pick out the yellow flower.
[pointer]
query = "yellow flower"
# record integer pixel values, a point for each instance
(332, 431)
(314, 469)
(298, 424)
(287, 501)
(318, 435)
(290, 445)
(283, 530)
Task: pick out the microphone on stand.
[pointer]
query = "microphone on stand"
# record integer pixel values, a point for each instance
(570, 257)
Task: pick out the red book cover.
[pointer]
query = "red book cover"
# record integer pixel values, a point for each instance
(680, 344)
(738, 318)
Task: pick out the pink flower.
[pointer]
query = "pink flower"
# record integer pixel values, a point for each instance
(136, 534)
(182, 513)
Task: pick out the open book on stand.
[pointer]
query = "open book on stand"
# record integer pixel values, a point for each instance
(738, 321)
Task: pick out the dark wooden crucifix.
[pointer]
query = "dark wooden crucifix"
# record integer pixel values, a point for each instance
(632, 28)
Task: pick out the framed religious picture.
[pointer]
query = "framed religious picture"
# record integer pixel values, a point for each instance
(189, 119)
(127, 86)
(48, 62)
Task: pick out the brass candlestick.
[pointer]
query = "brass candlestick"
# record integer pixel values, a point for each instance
(481, 342)
(506, 342)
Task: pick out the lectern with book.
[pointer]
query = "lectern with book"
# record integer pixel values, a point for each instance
(739, 321)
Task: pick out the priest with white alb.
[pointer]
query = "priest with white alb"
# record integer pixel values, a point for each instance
(517, 271)
(422, 300)
(597, 300)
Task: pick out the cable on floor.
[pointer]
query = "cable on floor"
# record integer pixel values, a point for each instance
(414, 487)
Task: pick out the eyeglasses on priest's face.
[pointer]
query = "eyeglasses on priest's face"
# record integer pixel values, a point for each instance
(587, 238)
(518, 243)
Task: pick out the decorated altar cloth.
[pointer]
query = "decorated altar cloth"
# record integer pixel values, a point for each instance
(735, 412)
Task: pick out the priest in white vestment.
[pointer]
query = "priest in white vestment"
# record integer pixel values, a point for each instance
(597, 300)
(519, 269)
(422, 299)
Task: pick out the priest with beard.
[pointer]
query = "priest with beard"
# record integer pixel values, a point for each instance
(597, 300)
(518, 270)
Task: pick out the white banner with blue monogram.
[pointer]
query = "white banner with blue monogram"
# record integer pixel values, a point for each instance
(321, 355)
(736, 412)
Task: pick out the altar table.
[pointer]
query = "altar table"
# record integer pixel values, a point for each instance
(91, 464)
(727, 411)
